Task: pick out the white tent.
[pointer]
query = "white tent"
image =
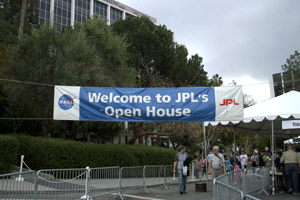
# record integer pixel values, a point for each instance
(268, 116)
(294, 140)
(260, 116)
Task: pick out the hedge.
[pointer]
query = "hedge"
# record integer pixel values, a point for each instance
(50, 153)
(9, 147)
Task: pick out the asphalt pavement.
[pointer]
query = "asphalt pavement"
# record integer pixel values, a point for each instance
(161, 193)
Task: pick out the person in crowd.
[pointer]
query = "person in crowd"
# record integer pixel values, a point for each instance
(227, 164)
(244, 160)
(233, 161)
(211, 153)
(196, 166)
(261, 161)
(266, 159)
(254, 159)
(203, 163)
(249, 160)
(279, 168)
(291, 162)
(277, 162)
(216, 162)
(237, 169)
(181, 156)
(256, 150)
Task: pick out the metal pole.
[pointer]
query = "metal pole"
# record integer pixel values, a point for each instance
(234, 159)
(193, 171)
(20, 178)
(273, 167)
(205, 153)
(87, 197)
(174, 174)
(258, 149)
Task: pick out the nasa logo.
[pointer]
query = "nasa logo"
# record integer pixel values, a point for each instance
(226, 102)
(66, 102)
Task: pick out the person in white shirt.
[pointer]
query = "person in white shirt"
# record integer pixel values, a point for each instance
(244, 160)
(216, 165)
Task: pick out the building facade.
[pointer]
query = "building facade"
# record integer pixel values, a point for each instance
(281, 83)
(68, 12)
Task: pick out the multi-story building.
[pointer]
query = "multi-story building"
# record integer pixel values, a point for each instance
(68, 12)
(281, 83)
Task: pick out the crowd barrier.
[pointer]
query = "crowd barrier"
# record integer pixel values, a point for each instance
(18, 185)
(84, 183)
(238, 184)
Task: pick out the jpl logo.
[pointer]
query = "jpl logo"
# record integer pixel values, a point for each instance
(66, 102)
(226, 102)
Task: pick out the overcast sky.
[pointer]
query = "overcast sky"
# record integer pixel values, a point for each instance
(241, 40)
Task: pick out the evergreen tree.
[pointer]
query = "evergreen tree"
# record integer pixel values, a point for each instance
(88, 55)
(292, 75)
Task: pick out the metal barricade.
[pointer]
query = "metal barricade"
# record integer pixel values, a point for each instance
(63, 183)
(130, 178)
(266, 180)
(253, 179)
(248, 197)
(222, 191)
(169, 176)
(20, 185)
(245, 181)
(103, 181)
(153, 176)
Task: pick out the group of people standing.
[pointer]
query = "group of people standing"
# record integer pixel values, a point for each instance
(218, 164)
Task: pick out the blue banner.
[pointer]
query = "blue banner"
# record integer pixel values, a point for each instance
(146, 104)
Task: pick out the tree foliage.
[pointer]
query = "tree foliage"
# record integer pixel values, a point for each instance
(88, 55)
(160, 61)
(292, 69)
(10, 13)
(150, 48)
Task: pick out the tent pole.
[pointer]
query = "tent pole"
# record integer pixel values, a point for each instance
(234, 147)
(273, 167)
(205, 153)
(258, 148)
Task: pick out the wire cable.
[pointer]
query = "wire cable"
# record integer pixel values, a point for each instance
(2, 79)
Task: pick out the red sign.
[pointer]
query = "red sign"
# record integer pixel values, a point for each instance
(227, 102)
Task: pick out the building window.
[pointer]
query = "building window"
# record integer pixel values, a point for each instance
(114, 15)
(62, 13)
(100, 9)
(44, 11)
(82, 11)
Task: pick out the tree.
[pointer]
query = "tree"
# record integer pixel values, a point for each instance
(88, 55)
(216, 80)
(248, 100)
(187, 71)
(4, 103)
(150, 51)
(292, 69)
(150, 48)
(11, 18)
(160, 62)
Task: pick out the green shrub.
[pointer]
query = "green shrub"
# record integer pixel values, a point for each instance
(50, 153)
(9, 153)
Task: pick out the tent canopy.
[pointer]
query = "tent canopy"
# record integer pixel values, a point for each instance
(267, 117)
(259, 116)
(295, 140)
